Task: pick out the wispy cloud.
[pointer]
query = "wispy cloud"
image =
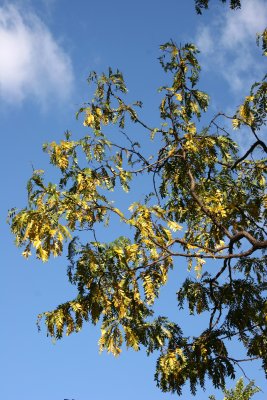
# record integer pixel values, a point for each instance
(32, 63)
(229, 43)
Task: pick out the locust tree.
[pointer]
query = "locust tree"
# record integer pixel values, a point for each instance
(206, 203)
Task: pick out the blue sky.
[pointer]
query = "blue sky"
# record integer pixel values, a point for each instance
(47, 49)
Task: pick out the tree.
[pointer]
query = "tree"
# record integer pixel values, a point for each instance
(240, 392)
(204, 4)
(206, 201)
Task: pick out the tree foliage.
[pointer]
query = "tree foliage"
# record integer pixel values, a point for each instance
(204, 4)
(240, 392)
(206, 202)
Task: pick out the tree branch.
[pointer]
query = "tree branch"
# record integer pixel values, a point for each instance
(250, 150)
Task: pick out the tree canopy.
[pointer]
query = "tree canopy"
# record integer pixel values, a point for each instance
(205, 203)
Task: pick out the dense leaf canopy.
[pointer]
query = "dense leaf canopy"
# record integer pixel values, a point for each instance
(206, 203)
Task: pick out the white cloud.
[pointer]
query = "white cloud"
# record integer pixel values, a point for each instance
(205, 41)
(229, 44)
(239, 27)
(32, 63)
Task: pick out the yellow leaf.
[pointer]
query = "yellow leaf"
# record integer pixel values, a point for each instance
(154, 253)
(262, 181)
(43, 255)
(235, 123)
(37, 242)
(194, 107)
(174, 226)
(89, 120)
(198, 267)
(159, 340)
(178, 96)
(118, 251)
(132, 206)
(174, 52)
(98, 111)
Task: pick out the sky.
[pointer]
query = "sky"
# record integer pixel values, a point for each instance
(47, 49)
